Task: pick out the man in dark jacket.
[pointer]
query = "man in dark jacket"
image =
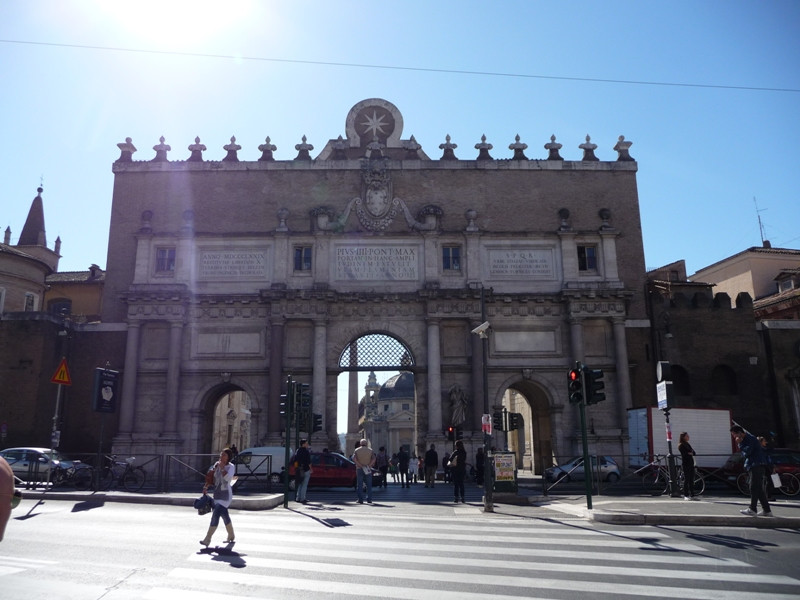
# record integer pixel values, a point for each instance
(755, 463)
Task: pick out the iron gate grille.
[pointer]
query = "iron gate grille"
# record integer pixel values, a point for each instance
(376, 351)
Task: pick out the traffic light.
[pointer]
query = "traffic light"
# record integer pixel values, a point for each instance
(316, 422)
(451, 434)
(513, 421)
(304, 392)
(575, 386)
(594, 385)
(497, 420)
(287, 400)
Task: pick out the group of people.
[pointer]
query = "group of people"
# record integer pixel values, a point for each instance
(757, 464)
(401, 466)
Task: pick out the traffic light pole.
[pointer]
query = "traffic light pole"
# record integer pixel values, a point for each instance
(587, 477)
(288, 437)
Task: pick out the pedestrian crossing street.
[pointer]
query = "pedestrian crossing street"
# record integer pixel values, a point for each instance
(329, 552)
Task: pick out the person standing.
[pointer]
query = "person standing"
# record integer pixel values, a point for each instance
(458, 470)
(223, 473)
(431, 464)
(364, 457)
(303, 470)
(413, 470)
(382, 464)
(479, 466)
(446, 467)
(755, 463)
(403, 458)
(687, 461)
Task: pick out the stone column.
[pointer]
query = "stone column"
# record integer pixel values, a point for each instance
(576, 339)
(127, 411)
(434, 378)
(319, 369)
(276, 379)
(624, 399)
(170, 425)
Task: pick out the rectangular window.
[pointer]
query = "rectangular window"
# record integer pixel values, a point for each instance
(451, 258)
(587, 258)
(302, 258)
(165, 260)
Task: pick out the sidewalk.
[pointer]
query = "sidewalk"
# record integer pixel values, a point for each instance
(631, 509)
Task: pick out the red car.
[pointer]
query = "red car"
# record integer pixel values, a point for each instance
(331, 469)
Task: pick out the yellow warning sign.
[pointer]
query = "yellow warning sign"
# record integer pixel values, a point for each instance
(61, 376)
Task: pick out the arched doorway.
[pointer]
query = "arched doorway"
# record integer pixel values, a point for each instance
(532, 442)
(227, 419)
(376, 395)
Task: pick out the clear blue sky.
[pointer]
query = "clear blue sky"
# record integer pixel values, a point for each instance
(461, 68)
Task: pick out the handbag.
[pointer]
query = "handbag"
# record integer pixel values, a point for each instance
(453, 461)
(204, 504)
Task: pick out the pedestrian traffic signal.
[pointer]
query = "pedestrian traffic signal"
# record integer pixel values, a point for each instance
(316, 422)
(575, 386)
(594, 385)
(451, 434)
(497, 420)
(514, 421)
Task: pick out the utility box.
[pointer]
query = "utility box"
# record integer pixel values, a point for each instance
(708, 429)
(504, 471)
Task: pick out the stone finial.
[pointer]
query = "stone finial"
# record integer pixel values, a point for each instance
(483, 149)
(283, 214)
(339, 149)
(553, 147)
(563, 214)
(57, 246)
(470, 215)
(448, 148)
(622, 147)
(126, 150)
(161, 150)
(267, 149)
(412, 148)
(7, 237)
(146, 222)
(605, 215)
(519, 149)
(588, 149)
(232, 150)
(303, 150)
(374, 150)
(197, 150)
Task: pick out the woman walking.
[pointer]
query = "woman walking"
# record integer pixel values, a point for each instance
(458, 470)
(223, 471)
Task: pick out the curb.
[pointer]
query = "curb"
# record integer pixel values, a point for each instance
(696, 520)
(240, 503)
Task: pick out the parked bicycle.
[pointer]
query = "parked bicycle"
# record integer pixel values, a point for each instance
(78, 475)
(655, 477)
(121, 472)
(790, 483)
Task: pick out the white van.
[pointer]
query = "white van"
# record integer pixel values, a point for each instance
(262, 462)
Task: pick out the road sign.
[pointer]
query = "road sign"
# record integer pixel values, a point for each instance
(664, 394)
(61, 376)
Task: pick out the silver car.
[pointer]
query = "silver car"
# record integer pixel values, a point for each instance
(573, 469)
(31, 464)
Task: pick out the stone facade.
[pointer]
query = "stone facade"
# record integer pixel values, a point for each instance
(233, 274)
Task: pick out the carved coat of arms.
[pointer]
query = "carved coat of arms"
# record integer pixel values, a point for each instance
(376, 208)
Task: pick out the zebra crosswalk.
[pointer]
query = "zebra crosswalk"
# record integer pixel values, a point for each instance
(379, 554)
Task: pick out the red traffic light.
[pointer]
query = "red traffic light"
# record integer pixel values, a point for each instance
(575, 375)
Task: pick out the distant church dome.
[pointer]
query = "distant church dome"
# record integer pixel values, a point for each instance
(399, 386)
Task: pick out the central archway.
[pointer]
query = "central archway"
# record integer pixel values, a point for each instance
(382, 409)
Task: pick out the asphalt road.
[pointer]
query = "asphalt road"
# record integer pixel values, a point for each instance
(409, 544)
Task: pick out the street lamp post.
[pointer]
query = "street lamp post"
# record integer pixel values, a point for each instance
(488, 496)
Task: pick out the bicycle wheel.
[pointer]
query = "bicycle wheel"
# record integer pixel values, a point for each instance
(699, 483)
(655, 481)
(133, 479)
(82, 480)
(59, 476)
(743, 483)
(105, 478)
(790, 484)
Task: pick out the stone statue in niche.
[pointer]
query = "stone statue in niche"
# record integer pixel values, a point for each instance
(459, 405)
